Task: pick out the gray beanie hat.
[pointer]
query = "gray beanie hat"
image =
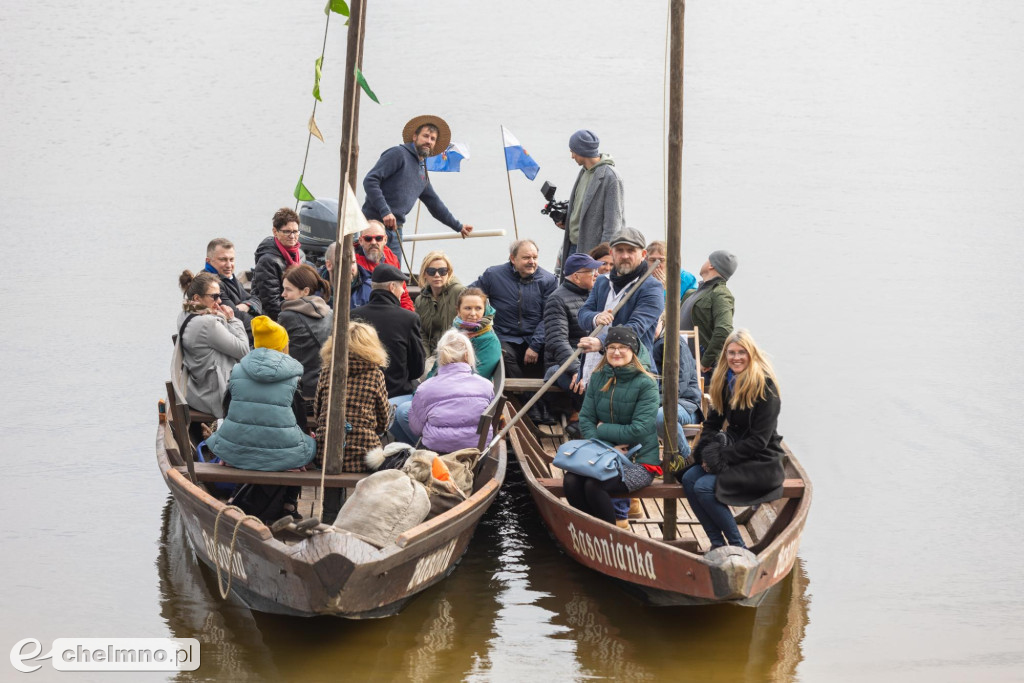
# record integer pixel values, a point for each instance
(724, 262)
(585, 143)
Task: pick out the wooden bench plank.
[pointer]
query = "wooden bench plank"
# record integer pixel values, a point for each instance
(526, 384)
(791, 488)
(211, 472)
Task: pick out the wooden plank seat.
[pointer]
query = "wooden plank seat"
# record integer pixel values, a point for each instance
(791, 488)
(526, 384)
(212, 472)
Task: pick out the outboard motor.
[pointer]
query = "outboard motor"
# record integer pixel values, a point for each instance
(318, 227)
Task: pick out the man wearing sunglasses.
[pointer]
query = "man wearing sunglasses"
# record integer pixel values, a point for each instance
(372, 252)
(400, 177)
(273, 255)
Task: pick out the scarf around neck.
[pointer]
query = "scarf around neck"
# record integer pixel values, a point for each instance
(620, 281)
(291, 254)
(471, 330)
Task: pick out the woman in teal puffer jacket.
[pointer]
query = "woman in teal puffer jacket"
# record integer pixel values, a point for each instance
(619, 407)
(264, 409)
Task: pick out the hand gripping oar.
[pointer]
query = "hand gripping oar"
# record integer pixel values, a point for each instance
(569, 361)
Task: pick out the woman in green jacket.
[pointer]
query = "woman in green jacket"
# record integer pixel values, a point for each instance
(437, 304)
(619, 407)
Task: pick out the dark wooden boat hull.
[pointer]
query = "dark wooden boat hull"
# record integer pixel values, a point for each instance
(328, 573)
(657, 572)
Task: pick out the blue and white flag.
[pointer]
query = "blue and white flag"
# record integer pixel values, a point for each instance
(517, 157)
(448, 160)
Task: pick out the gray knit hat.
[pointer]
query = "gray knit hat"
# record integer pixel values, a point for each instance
(585, 143)
(724, 262)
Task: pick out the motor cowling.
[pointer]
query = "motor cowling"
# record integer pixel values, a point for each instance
(318, 227)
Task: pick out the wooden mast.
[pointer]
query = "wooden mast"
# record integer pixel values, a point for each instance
(673, 239)
(335, 436)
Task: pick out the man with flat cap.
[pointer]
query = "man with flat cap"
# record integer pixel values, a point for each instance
(640, 312)
(596, 210)
(398, 329)
(710, 307)
(400, 177)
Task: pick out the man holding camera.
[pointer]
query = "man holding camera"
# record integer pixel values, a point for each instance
(596, 212)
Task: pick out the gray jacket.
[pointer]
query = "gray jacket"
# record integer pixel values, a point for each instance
(211, 346)
(603, 207)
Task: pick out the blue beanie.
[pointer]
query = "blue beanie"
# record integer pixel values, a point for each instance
(585, 143)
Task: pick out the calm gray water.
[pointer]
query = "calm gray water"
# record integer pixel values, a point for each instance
(864, 160)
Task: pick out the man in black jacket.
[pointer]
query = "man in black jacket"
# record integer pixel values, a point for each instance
(398, 329)
(220, 259)
(562, 330)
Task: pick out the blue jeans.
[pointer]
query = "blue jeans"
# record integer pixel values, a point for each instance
(400, 427)
(394, 242)
(684, 418)
(715, 517)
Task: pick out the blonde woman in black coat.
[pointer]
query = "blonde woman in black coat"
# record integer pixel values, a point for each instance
(742, 465)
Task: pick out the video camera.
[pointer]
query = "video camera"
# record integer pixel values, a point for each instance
(559, 211)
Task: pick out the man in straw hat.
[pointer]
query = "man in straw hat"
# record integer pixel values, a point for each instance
(399, 178)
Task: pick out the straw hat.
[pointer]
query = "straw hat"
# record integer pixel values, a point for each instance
(444, 133)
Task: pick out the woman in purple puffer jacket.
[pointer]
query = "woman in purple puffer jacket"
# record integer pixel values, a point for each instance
(446, 409)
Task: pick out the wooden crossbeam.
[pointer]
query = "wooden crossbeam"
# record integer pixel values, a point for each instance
(211, 472)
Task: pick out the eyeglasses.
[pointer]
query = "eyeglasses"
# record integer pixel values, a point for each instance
(214, 296)
(437, 271)
(373, 238)
(289, 232)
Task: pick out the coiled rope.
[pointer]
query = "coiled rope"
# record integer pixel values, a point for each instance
(226, 590)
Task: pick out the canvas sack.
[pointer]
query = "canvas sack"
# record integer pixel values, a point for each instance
(383, 506)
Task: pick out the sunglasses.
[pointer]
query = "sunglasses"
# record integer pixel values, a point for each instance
(437, 271)
(214, 296)
(369, 239)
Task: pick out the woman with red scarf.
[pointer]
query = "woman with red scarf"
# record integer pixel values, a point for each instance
(273, 256)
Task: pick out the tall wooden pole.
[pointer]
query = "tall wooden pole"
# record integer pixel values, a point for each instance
(335, 436)
(673, 234)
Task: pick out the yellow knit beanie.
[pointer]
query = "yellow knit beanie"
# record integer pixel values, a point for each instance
(267, 334)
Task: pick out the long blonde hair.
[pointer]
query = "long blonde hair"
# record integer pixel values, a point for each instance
(750, 384)
(363, 342)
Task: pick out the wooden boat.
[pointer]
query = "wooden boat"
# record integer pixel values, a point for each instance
(679, 572)
(318, 570)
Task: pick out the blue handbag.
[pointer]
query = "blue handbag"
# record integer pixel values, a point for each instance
(592, 458)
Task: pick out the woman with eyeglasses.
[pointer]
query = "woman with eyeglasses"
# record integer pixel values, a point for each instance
(273, 256)
(212, 340)
(619, 408)
(438, 302)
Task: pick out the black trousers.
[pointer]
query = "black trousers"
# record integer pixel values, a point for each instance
(513, 354)
(592, 496)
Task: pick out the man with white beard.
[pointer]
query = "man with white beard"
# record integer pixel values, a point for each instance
(372, 252)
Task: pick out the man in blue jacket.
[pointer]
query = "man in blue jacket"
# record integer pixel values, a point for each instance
(399, 178)
(517, 290)
(643, 308)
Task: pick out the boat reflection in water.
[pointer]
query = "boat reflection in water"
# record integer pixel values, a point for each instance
(517, 609)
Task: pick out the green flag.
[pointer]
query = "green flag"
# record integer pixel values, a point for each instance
(336, 6)
(301, 193)
(316, 83)
(365, 86)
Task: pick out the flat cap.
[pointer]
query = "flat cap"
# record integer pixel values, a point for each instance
(629, 236)
(386, 273)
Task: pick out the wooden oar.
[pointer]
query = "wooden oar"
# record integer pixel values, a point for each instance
(569, 361)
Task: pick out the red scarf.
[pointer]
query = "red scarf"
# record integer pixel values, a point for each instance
(291, 254)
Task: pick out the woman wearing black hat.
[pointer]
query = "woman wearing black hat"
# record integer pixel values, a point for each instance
(619, 408)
